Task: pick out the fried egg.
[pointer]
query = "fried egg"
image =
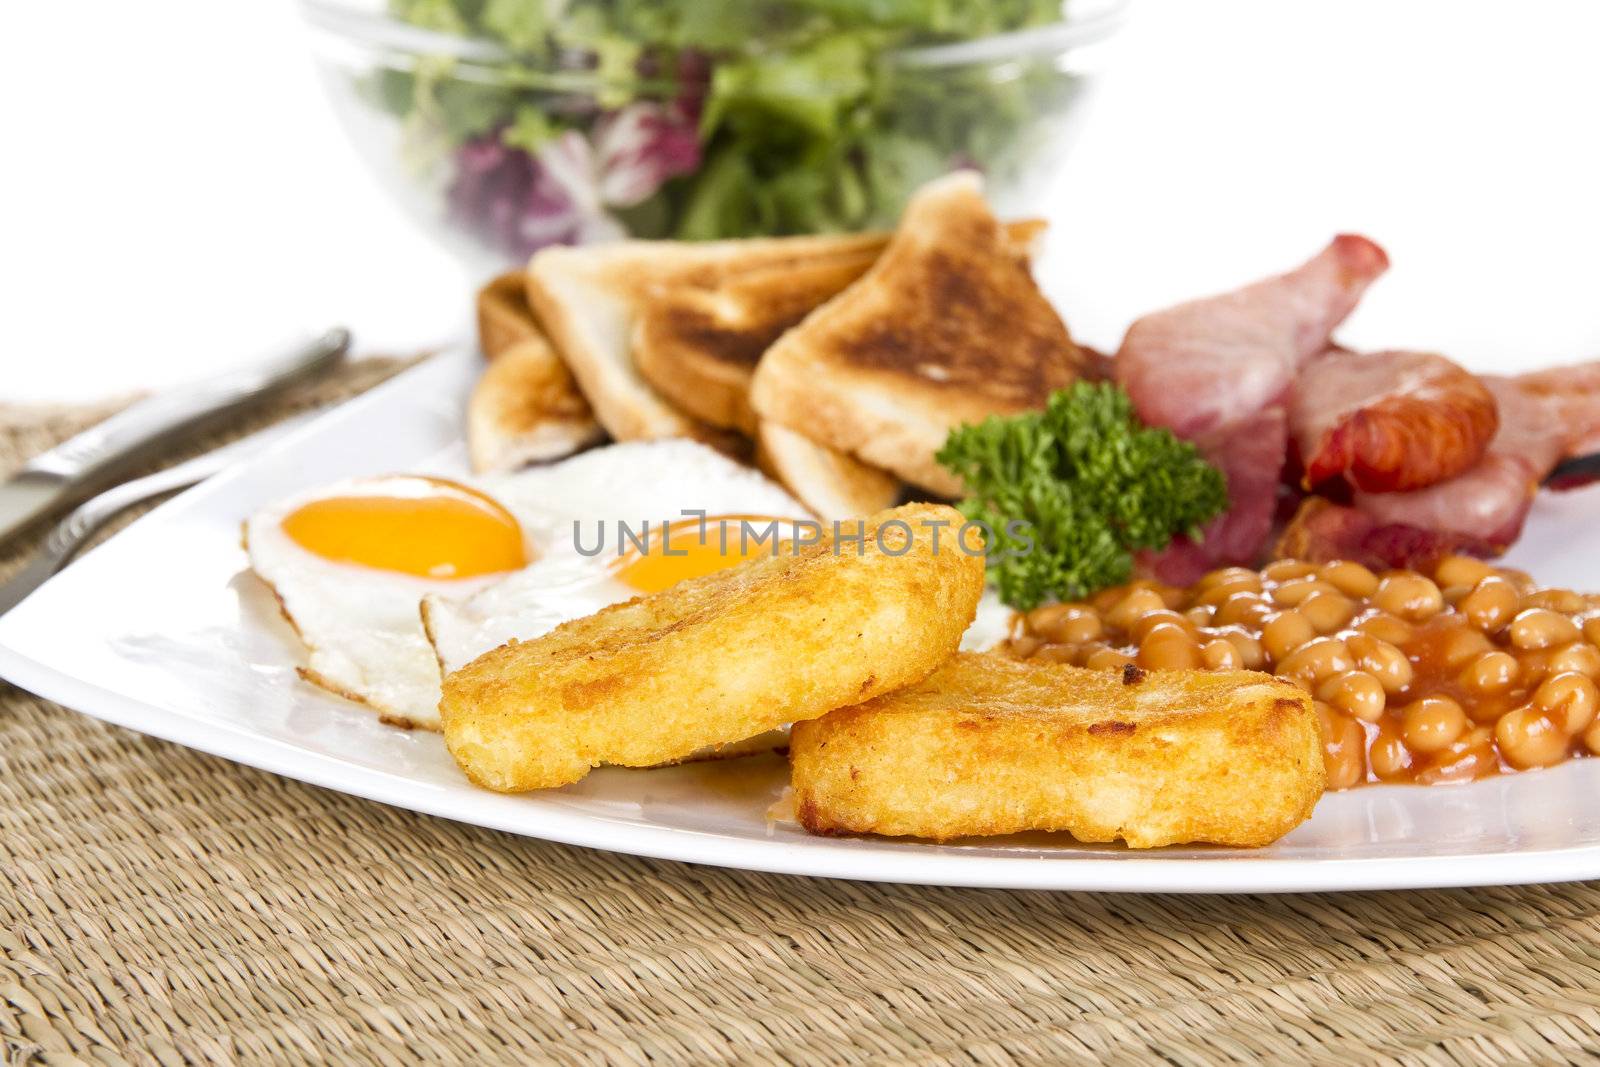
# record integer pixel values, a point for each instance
(496, 558)
(994, 623)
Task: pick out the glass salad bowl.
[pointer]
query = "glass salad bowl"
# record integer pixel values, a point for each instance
(509, 125)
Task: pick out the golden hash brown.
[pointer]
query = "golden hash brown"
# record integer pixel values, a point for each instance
(987, 745)
(719, 658)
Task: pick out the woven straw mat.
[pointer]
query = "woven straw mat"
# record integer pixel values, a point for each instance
(162, 906)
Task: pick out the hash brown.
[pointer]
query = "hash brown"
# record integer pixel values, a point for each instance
(719, 658)
(988, 745)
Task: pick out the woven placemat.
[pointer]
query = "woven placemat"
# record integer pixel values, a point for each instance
(162, 906)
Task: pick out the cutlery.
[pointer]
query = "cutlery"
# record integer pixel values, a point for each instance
(61, 543)
(1575, 471)
(136, 434)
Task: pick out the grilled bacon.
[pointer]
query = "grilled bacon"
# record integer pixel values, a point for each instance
(1323, 531)
(1389, 422)
(1200, 366)
(1543, 417)
(1218, 372)
(1250, 455)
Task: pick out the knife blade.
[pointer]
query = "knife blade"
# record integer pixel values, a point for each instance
(61, 543)
(100, 453)
(1574, 471)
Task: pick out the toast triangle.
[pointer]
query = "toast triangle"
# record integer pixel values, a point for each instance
(526, 406)
(946, 327)
(588, 299)
(834, 485)
(699, 345)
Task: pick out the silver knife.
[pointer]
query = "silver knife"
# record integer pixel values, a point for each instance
(61, 543)
(135, 434)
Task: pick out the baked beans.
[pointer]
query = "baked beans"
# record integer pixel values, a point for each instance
(1408, 595)
(1580, 656)
(1284, 633)
(1432, 724)
(1243, 609)
(1251, 655)
(1168, 647)
(1448, 676)
(1491, 603)
(1315, 660)
(1383, 660)
(1356, 693)
(1541, 627)
(1344, 748)
(1493, 672)
(1386, 628)
(1351, 579)
(1126, 611)
(1220, 654)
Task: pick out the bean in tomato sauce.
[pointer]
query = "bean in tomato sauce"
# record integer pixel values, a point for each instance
(1447, 676)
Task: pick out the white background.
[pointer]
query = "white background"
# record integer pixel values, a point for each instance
(174, 189)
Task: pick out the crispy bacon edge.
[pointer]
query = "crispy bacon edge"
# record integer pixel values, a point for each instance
(1409, 440)
(1322, 531)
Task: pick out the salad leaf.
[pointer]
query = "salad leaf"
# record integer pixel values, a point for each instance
(616, 63)
(724, 200)
(804, 122)
(803, 93)
(520, 25)
(530, 130)
(948, 19)
(899, 161)
(464, 108)
(441, 16)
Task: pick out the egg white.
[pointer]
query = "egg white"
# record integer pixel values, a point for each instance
(633, 483)
(363, 628)
(993, 624)
(360, 626)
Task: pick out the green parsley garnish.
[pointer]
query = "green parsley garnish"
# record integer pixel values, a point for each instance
(1072, 491)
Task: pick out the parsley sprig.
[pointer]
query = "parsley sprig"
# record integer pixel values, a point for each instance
(1071, 492)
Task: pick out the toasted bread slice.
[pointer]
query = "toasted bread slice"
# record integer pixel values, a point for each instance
(988, 745)
(947, 327)
(504, 315)
(834, 485)
(588, 300)
(526, 408)
(699, 346)
(716, 659)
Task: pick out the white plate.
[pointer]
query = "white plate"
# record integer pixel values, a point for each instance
(163, 631)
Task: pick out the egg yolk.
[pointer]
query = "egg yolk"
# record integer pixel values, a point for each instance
(684, 549)
(428, 527)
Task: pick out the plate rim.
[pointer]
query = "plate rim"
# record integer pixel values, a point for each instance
(1236, 871)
